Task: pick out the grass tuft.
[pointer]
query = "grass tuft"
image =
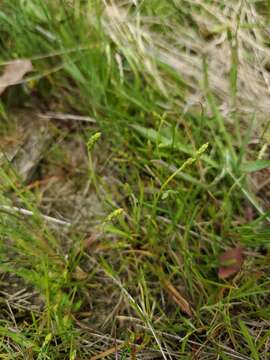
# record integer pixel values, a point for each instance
(156, 121)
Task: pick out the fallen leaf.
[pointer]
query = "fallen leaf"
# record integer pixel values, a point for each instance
(37, 138)
(230, 262)
(14, 72)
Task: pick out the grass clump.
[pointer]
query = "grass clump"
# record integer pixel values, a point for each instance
(156, 120)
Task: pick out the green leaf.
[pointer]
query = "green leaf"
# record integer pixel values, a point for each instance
(18, 338)
(250, 340)
(252, 166)
(163, 141)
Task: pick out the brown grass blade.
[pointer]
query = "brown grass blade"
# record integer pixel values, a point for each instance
(178, 298)
(108, 352)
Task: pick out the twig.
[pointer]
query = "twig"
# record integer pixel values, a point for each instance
(60, 116)
(14, 209)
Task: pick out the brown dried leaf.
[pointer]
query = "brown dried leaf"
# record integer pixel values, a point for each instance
(31, 152)
(14, 72)
(230, 262)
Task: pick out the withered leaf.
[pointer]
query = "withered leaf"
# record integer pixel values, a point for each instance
(14, 72)
(230, 262)
(110, 351)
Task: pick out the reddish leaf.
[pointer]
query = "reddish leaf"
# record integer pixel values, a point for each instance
(230, 262)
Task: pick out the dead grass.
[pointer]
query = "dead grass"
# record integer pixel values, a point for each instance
(233, 42)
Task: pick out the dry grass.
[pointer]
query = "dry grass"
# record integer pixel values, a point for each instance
(134, 276)
(231, 36)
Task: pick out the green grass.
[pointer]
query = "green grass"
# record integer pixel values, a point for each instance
(136, 274)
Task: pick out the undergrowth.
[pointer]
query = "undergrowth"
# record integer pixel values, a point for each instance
(176, 157)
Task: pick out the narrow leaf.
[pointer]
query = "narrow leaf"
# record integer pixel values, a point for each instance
(164, 142)
(250, 341)
(252, 166)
